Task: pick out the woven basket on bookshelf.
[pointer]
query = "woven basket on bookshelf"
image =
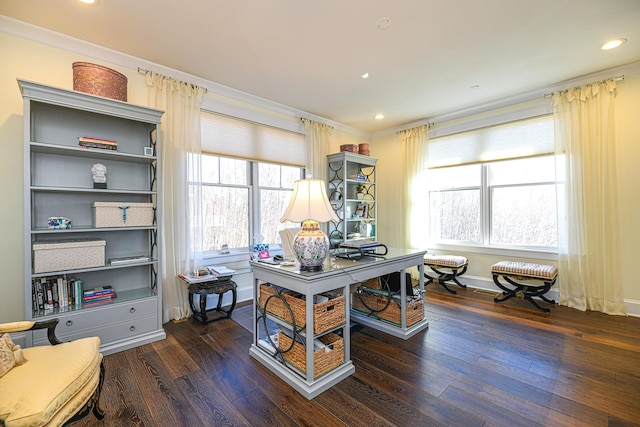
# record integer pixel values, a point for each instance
(99, 80)
(377, 304)
(323, 360)
(326, 315)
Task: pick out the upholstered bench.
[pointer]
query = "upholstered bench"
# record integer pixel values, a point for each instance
(524, 281)
(446, 267)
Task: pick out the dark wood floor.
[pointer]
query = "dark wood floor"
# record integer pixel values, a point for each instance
(478, 364)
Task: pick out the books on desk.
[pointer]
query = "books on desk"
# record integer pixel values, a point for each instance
(360, 244)
(214, 273)
(359, 248)
(192, 278)
(221, 270)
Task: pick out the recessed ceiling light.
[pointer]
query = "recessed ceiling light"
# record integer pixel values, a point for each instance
(383, 23)
(379, 116)
(612, 44)
(365, 76)
(90, 2)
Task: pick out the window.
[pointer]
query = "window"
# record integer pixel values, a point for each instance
(245, 185)
(495, 186)
(228, 197)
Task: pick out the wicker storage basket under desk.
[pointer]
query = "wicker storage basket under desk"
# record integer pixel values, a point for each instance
(373, 283)
(323, 360)
(326, 315)
(370, 303)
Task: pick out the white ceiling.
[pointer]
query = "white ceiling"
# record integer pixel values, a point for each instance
(309, 54)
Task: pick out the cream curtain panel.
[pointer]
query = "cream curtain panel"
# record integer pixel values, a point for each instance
(181, 245)
(317, 138)
(589, 252)
(413, 142)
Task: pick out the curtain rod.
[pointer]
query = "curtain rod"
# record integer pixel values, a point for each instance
(144, 71)
(616, 78)
(428, 125)
(304, 120)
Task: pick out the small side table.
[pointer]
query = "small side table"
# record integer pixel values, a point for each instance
(215, 287)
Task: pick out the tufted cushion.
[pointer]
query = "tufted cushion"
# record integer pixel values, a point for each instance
(524, 269)
(10, 354)
(454, 261)
(53, 385)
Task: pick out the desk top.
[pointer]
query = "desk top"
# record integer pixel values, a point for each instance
(359, 269)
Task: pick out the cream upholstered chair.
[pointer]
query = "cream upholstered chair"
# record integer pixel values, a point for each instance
(56, 385)
(287, 235)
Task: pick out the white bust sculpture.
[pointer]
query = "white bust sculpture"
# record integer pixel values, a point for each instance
(99, 173)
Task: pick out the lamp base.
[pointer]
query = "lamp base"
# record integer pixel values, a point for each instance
(311, 246)
(312, 268)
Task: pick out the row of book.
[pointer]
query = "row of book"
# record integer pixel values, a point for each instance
(98, 294)
(59, 292)
(103, 144)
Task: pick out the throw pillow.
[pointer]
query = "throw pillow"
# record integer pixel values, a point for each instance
(10, 354)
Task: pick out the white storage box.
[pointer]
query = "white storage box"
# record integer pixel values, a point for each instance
(68, 255)
(122, 214)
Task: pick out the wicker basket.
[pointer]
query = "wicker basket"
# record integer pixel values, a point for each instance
(323, 360)
(374, 304)
(326, 315)
(351, 148)
(98, 80)
(373, 283)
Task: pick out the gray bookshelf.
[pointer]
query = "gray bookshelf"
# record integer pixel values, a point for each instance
(346, 173)
(58, 183)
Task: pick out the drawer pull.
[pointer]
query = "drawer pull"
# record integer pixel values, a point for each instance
(132, 328)
(69, 322)
(132, 310)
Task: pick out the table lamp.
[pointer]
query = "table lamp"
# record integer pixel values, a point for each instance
(309, 204)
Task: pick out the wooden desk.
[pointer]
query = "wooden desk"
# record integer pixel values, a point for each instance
(340, 276)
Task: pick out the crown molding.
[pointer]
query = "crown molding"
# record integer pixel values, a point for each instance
(62, 41)
(82, 47)
(624, 70)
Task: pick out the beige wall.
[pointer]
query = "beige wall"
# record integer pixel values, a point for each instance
(391, 156)
(41, 63)
(33, 61)
(628, 154)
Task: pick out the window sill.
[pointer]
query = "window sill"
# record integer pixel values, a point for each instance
(518, 252)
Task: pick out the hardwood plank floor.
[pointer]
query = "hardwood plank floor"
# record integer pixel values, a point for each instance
(479, 364)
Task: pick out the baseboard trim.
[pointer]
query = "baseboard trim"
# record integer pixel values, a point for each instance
(633, 306)
(474, 282)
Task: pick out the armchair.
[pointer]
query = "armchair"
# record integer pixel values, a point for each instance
(57, 385)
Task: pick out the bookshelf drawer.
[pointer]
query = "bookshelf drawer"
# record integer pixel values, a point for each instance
(108, 332)
(127, 329)
(71, 324)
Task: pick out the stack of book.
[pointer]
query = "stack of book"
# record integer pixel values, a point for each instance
(55, 292)
(102, 144)
(96, 295)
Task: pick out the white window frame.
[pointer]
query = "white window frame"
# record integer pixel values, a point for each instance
(483, 247)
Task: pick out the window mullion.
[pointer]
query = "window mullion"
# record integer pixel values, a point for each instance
(485, 209)
(254, 202)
